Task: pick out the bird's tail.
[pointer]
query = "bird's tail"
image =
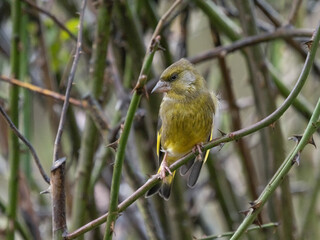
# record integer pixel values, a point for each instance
(163, 187)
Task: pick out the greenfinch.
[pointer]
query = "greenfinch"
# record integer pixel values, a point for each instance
(186, 120)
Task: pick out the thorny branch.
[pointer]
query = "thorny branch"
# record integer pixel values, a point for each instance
(249, 41)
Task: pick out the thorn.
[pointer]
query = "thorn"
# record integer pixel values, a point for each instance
(297, 139)
(46, 191)
(245, 212)
(312, 142)
(254, 205)
(114, 145)
(140, 86)
(296, 158)
(257, 222)
(308, 44)
(161, 48)
(222, 133)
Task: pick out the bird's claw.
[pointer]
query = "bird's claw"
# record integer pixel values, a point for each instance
(196, 148)
(164, 170)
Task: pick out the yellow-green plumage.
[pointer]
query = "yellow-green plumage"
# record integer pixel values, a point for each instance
(186, 115)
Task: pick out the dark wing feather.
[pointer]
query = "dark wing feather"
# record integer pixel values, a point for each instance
(159, 131)
(185, 168)
(196, 167)
(155, 189)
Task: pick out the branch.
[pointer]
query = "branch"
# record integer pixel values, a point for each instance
(89, 103)
(45, 92)
(228, 138)
(229, 234)
(278, 22)
(26, 142)
(69, 86)
(294, 11)
(59, 225)
(55, 20)
(249, 41)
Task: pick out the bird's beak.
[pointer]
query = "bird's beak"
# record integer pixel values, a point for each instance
(161, 87)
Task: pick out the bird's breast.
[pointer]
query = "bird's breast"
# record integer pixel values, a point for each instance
(185, 124)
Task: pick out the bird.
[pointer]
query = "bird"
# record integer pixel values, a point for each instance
(186, 122)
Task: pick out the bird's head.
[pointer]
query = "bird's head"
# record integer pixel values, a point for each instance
(180, 79)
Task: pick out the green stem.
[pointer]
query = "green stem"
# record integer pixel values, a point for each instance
(113, 211)
(300, 103)
(311, 210)
(219, 19)
(313, 125)
(21, 228)
(88, 144)
(14, 151)
(27, 106)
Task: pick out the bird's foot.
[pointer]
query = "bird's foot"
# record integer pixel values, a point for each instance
(196, 148)
(164, 169)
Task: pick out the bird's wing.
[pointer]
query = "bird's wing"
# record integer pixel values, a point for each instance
(159, 152)
(209, 139)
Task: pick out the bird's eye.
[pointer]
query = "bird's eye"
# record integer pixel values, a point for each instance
(173, 77)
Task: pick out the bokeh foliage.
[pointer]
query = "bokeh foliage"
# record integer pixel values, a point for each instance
(250, 82)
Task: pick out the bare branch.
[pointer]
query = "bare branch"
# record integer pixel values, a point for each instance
(69, 86)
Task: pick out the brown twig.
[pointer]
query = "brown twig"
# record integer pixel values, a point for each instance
(53, 18)
(88, 103)
(252, 40)
(163, 20)
(69, 85)
(278, 22)
(59, 225)
(294, 11)
(27, 143)
(43, 91)
(251, 175)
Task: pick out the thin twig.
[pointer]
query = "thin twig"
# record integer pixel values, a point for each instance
(163, 19)
(278, 22)
(26, 142)
(215, 142)
(249, 41)
(229, 234)
(294, 11)
(43, 91)
(57, 21)
(54, 18)
(69, 85)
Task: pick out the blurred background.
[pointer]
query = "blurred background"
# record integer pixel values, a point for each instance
(250, 82)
